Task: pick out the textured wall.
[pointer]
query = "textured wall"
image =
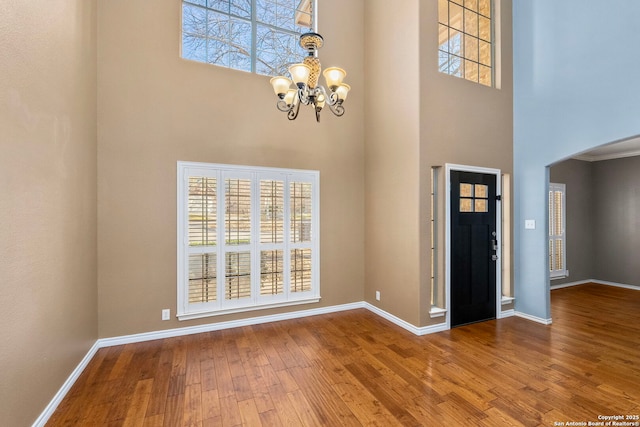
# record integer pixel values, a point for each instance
(416, 118)
(48, 199)
(616, 227)
(581, 205)
(567, 99)
(156, 108)
(392, 157)
(461, 122)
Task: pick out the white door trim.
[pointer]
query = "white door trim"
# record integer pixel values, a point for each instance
(447, 280)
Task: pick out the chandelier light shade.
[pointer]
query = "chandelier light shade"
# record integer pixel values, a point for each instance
(305, 77)
(280, 85)
(300, 74)
(342, 91)
(334, 77)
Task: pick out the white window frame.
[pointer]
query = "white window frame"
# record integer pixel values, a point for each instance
(220, 306)
(556, 273)
(465, 57)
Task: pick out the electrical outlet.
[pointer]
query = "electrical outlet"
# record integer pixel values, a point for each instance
(530, 224)
(377, 295)
(166, 314)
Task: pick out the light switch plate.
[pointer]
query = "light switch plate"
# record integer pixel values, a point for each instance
(530, 224)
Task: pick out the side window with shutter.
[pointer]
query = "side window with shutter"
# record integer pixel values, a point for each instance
(557, 225)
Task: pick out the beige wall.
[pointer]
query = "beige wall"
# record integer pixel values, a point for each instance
(416, 118)
(461, 122)
(580, 211)
(48, 199)
(616, 226)
(392, 157)
(156, 108)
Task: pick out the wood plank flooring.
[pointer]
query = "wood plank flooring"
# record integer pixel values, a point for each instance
(355, 368)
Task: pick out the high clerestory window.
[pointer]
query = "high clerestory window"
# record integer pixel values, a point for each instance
(259, 36)
(466, 40)
(247, 238)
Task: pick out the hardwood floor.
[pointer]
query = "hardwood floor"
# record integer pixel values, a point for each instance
(355, 368)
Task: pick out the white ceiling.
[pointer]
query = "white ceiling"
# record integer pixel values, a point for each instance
(616, 150)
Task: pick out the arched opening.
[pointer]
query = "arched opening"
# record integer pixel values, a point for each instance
(594, 205)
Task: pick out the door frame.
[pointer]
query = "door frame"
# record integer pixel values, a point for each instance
(476, 169)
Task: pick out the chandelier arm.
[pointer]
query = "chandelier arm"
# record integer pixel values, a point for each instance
(304, 95)
(283, 106)
(293, 111)
(319, 90)
(333, 99)
(337, 108)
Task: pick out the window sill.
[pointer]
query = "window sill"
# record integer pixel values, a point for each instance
(201, 314)
(559, 275)
(437, 312)
(507, 300)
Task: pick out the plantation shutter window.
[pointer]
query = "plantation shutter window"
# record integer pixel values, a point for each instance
(235, 226)
(557, 238)
(271, 273)
(238, 275)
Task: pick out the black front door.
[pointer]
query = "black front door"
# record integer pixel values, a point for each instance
(473, 247)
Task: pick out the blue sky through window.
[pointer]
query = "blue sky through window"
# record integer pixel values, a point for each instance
(259, 36)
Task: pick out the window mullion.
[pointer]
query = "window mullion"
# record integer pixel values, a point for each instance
(286, 262)
(220, 231)
(255, 237)
(254, 35)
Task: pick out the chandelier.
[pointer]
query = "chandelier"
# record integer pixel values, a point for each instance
(305, 76)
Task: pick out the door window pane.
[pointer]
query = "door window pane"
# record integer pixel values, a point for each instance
(481, 205)
(482, 191)
(474, 198)
(466, 190)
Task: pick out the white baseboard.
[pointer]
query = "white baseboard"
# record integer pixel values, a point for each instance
(416, 330)
(617, 285)
(148, 336)
(507, 313)
(596, 281)
(51, 407)
(169, 333)
(533, 318)
(189, 330)
(568, 285)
